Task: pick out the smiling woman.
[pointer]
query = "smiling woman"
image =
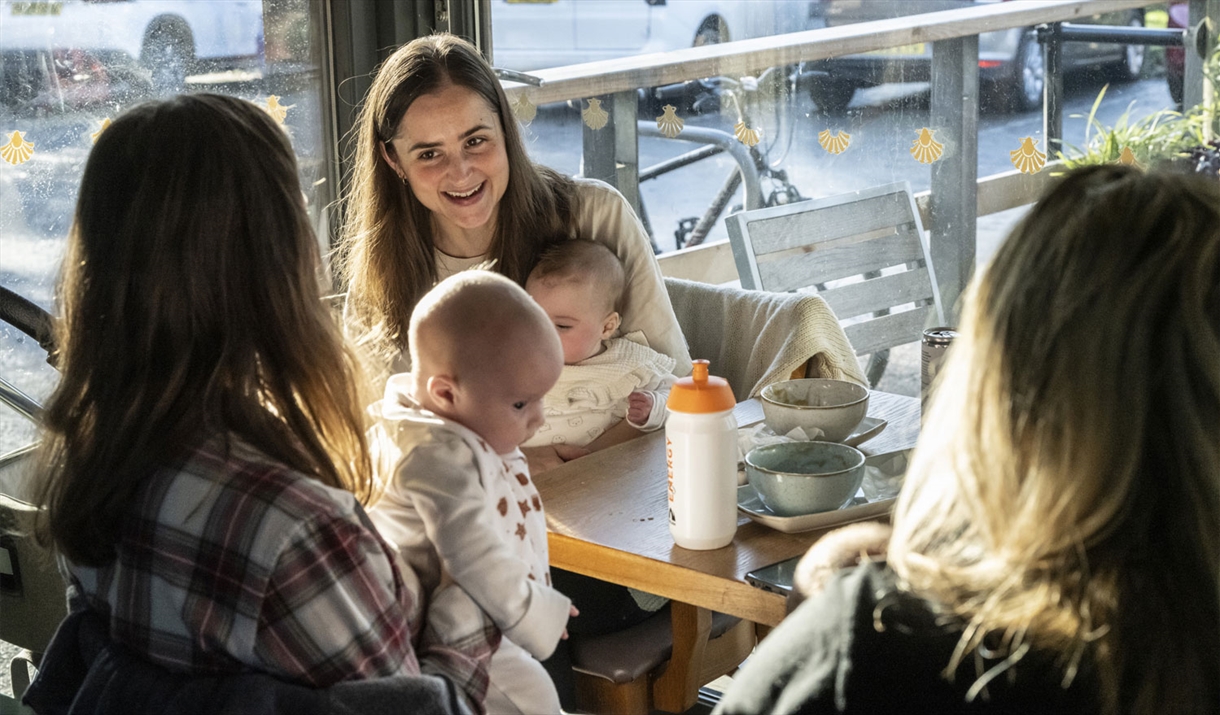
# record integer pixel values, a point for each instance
(442, 182)
(449, 150)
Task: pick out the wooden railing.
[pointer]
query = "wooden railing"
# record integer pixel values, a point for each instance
(742, 57)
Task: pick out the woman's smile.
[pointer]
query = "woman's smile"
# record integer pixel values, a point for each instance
(466, 196)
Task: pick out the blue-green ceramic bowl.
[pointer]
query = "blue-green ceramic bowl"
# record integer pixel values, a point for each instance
(797, 478)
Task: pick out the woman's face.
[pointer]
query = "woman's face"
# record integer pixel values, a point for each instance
(450, 147)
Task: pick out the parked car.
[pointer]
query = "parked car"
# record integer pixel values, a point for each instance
(535, 34)
(1175, 57)
(1010, 61)
(167, 39)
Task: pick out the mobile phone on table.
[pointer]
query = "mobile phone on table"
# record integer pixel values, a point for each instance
(776, 578)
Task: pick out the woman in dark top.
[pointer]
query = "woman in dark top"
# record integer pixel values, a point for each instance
(1056, 547)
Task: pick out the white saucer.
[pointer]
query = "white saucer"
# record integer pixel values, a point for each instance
(868, 428)
(858, 509)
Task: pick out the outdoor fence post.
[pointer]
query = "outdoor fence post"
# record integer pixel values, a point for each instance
(1202, 27)
(954, 199)
(611, 153)
(1052, 88)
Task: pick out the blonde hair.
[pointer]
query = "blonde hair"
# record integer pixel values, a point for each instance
(1065, 494)
(388, 234)
(191, 304)
(581, 260)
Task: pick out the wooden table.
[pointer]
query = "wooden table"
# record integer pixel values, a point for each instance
(607, 518)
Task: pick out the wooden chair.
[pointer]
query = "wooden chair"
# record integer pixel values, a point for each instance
(33, 597)
(865, 253)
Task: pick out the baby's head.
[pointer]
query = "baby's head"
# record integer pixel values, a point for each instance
(484, 355)
(579, 284)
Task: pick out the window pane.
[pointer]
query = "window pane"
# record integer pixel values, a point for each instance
(67, 66)
(823, 127)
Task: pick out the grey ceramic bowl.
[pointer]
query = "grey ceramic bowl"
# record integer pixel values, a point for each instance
(797, 478)
(834, 406)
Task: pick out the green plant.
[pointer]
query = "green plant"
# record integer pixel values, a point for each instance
(1158, 137)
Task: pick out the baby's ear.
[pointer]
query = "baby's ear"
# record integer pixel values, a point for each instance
(610, 324)
(442, 389)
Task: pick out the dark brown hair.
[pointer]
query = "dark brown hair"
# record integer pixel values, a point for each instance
(388, 234)
(191, 308)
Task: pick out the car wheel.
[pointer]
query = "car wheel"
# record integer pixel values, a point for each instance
(701, 95)
(1132, 64)
(1175, 82)
(1024, 89)
(831, 96)
(713, 31)
(167, 54)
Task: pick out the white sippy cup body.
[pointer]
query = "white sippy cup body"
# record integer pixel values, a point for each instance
(701, 461)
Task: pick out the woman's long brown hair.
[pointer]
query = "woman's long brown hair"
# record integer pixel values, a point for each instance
(1065, 494)
(388, 234)
(190, 303)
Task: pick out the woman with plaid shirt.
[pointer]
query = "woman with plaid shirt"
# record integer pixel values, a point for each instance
(204, 452)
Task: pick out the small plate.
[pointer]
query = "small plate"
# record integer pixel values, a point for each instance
(868, 428)
(858, 509)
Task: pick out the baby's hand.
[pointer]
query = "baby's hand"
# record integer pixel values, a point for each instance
(639, 407)
(550, 456)
(572, 613)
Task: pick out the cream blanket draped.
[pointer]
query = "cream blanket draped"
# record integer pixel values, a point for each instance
(755, 338)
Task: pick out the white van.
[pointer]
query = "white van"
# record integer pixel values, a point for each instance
(536, 34)
(170, 38)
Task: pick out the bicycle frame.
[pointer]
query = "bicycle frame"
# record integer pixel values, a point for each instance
(751, 162)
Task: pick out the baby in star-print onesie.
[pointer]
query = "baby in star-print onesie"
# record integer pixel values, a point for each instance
(458, 500)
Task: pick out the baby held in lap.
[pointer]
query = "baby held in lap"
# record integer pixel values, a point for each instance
(579, 283)
(459, 501)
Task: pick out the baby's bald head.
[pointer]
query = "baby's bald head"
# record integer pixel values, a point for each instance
(476, 321)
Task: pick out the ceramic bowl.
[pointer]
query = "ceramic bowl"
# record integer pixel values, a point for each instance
(835, 407)
(796, 478)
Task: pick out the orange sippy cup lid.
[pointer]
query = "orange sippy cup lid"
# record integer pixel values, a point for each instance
(701, 393)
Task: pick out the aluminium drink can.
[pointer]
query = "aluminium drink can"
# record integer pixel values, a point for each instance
(935, 344)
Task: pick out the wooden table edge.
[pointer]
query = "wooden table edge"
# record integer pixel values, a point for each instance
(736, 598)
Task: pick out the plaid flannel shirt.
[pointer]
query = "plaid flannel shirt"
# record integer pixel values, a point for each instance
(231, 562)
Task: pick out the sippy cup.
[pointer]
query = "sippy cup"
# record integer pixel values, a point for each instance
(701, 457)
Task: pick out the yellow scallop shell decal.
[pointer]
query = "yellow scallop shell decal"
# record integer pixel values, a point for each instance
(17, 150)
(670, 123)
(1127, 157)
(104, 126)
(595, 117)
(1028, 159)
(277, 111)
(746, 135)
(523, 108)
(925, 149)
(835, 143)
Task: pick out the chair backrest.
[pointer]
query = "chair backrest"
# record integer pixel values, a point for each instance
(865, 253)
(33, 597)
